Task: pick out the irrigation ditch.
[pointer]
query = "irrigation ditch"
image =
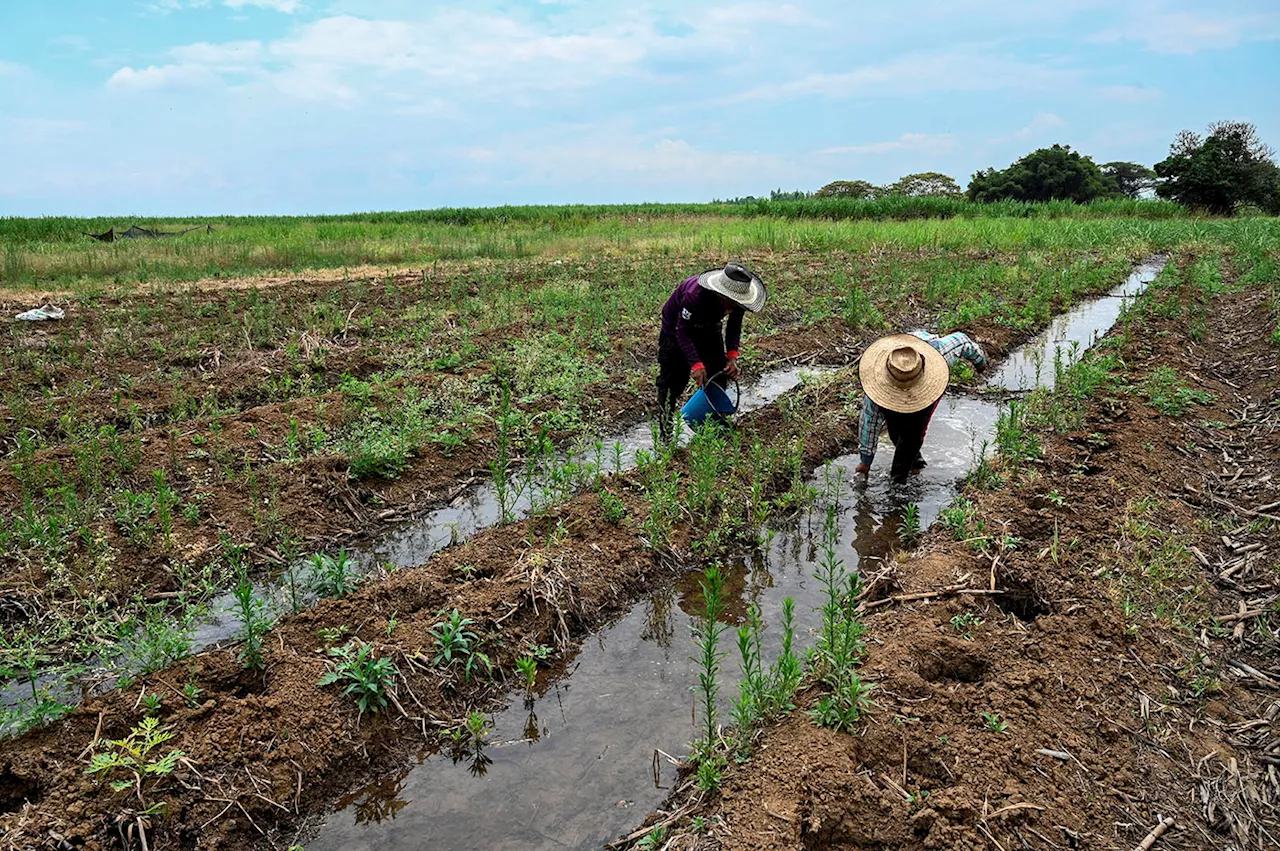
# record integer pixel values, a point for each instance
(1109, 680)
(263, 750)
(567, 769)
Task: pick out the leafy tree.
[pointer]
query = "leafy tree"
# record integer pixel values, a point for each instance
(848, 189)
(1049, 174)
(1228, 168)
(1131, 179)
(928, 183)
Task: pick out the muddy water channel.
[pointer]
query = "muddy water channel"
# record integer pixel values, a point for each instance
(575, 766)
(411, 544)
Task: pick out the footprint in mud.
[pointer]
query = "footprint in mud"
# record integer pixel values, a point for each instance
(951, 659)
(16, 790)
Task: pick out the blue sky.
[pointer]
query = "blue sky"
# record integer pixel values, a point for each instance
(158, 107)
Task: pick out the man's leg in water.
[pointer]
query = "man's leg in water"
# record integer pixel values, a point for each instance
(673, 378)
(907, 432)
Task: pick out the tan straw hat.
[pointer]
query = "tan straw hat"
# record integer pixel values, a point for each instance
(735, 282)
(903, 373)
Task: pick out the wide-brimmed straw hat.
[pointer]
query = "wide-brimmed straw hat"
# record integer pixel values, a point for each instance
(903, 373)
(737, 283)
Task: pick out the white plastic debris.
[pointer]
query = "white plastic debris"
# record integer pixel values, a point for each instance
(41, 314)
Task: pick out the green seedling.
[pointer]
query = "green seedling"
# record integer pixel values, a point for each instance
(612, 507)
(334, 576)
(909, 526)
(707, 639)
(652, 840)
(993, 722)
(541, 652)
(191, 694)
(965, 623)
(477, 724)
(368, 678)
(917, 798)
(136, 762)
(455, 642)
(710, 773)
(333, 634)
(152, 703)
(528, 668)
(1056, 498)
(845, 706)
(254, 622)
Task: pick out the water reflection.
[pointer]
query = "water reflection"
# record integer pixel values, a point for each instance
(628, 693)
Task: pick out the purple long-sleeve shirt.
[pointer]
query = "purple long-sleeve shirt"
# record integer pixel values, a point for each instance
(692, 311)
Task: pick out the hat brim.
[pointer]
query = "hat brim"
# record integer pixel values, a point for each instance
(891, 394)
(716, 281)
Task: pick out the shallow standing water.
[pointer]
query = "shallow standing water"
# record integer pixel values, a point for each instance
(575, 767)
(410, 544)
(1032, 365)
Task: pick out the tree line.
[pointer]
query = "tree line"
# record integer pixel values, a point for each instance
(1227, 170)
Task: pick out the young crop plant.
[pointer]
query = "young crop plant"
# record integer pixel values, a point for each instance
(765, 693)
(1014, 438)
(612, 507)
(138, 762)
(844, 707)
(456, 643)
(956, 517)
(191, 694)
(251, 610)
(710, 772)
(838, 654)
(653, 840)
(909, 526)
(368, 678)
(528, 668)
(965, 623)
(334, 576)
(993, 722)
(152, 640)
(707, 639)
(1167, 394)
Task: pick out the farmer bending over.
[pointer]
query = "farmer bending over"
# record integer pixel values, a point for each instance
(692, 341)
(903, 379)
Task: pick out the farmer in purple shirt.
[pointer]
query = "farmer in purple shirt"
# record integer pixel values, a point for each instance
(691, 341)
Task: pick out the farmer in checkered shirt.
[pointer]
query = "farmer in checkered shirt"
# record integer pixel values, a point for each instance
(903, 379)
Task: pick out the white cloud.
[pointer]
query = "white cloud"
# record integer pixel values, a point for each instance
(919, 73)
(466, 54)
(1040, 126)
(286, 6)
(160, 76)
(1041, 123)
(228, 56)
(924, 142)
(1185, 32)
(618, 155)
(11, 69)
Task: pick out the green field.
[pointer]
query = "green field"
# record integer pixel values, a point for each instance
(55, 252)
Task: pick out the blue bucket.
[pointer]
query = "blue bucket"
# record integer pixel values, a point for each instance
(711, 400)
